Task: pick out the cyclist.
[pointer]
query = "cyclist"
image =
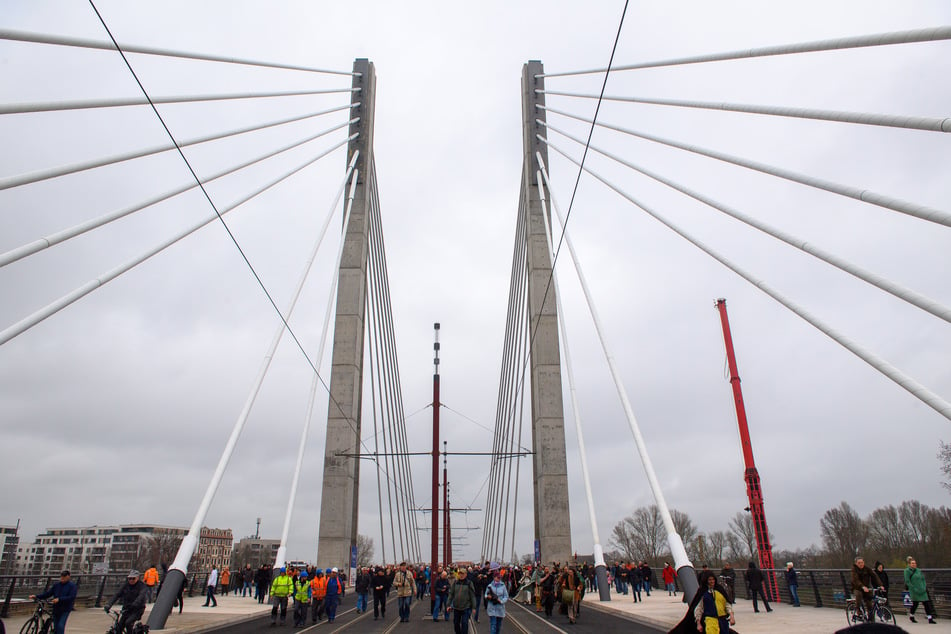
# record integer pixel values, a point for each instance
(863, 580)
(132, 595)
(64, 594)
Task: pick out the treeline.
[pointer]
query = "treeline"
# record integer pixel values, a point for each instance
(888, 534)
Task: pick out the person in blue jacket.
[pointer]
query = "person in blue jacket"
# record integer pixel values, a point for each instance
(64, 594)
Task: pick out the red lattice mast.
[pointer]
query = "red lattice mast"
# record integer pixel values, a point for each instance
(751, 475)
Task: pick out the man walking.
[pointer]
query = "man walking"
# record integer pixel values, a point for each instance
(334, 592)
(462, 598)
(212, 584)
(405, 589)
(64, 594)
(281, 588)
(150, 579)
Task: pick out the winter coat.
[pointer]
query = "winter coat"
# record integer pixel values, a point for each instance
(669, 574)
(754, 577)
(864, 576)
(130, 596)
(915, 582)
(496, 606)
(462, 595)
(65, 591)
(404, 584)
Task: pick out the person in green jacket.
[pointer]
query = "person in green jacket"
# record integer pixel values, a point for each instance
(301, 600)
(918, 590)
(281, 588)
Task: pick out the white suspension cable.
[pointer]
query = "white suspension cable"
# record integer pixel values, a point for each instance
(931, 124)
(569, 368)
(51, 309)
(674, 540)
(78, 42)
(912, 386)
(190, 542)
(864, 195)
(63, 170)
(88, 104)
(40, 244)
(861, 41)
(305, 431)
(912, 297)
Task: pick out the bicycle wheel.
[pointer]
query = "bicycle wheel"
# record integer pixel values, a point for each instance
(885, 615)
(30, 627)
(850, 614)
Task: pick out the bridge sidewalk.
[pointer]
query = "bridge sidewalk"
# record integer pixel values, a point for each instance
(194, 618)
(663, 612)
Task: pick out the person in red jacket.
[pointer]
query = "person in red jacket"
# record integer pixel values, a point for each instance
(669, 574)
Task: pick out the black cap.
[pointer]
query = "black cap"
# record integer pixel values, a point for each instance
(65, 573)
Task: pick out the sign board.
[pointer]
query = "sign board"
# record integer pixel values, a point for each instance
(538, 550)
(100, 568)
(353, 565)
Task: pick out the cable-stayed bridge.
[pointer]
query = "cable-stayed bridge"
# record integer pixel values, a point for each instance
(588, 126)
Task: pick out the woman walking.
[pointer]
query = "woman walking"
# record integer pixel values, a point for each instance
(917, 588)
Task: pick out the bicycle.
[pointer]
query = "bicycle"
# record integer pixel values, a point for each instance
(138, 628)
(855, 612)
(42, 620)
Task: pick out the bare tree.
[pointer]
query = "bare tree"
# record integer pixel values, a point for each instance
(716, 546)
(364, 550)
(640, 536)
(743, 543)
(887, 534)
(944, 463)
(844, 534)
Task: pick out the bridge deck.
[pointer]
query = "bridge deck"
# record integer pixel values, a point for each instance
(657, 613)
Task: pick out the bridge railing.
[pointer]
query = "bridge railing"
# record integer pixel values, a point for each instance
(829, 588)
(91, 589)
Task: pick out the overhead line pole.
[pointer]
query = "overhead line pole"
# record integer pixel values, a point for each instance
(434, 553)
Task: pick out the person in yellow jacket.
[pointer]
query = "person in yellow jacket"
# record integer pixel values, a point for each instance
(281, 588)
(301, 600)
(150, 579)
(318, 591)
(713, 612)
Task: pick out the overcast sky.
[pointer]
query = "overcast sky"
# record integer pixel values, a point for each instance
(116, 409)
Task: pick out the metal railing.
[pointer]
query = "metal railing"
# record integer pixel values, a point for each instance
(829, 588)
(91, 589)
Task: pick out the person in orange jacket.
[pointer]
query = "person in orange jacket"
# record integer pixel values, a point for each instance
(150, 579)
(318, 592)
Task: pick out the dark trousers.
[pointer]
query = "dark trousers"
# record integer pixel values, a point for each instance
(379, 604)
(929, 608)
(128, 618)
(210, 596)
(279, 602)
(300, 613)
(404, 603)
(460, 621)
(331, 603)
(59, 622)
(316, 609)
(759, 591)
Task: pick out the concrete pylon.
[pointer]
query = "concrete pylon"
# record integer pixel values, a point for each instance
(550, 464)
(339, 501)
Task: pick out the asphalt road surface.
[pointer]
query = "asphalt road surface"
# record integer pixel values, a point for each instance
(518, 620)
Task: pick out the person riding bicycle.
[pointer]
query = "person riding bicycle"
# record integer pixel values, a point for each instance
(132, 596)
(863, 580)
(64, 594)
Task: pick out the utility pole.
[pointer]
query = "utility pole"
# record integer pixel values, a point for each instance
(257, 529)
(751, 475)
(446, 541)
(435, 516)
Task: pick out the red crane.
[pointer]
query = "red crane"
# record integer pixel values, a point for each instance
(753, 490)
